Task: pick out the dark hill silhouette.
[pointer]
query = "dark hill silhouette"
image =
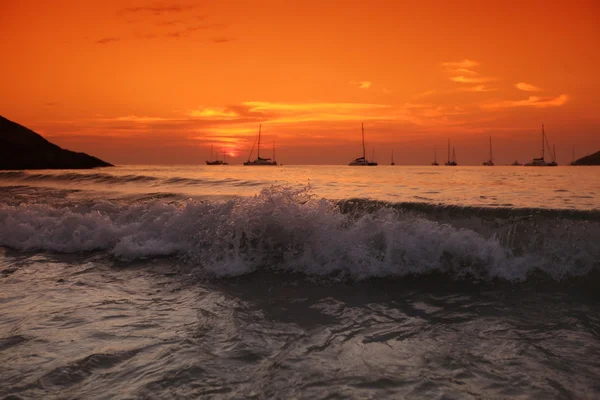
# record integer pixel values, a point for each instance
(22, 148)
(592, 159)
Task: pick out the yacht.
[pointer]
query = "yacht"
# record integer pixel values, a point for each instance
(362, 161)
(217, 161)
(489, 163)
(259, 160)
(541, 162)
(451, 161)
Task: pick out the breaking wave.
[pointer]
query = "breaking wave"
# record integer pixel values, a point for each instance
(291, 230)
(24, 177)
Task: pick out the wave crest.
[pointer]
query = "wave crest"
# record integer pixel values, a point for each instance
(292, 230)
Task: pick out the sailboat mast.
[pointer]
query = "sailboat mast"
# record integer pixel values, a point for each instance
(434, 155)
(259, 129)
(273, 150)
(543, 140)
(373, 156)
(211, 151)
(448, 151)
(362, 126)
(490, 148)
(392, 156)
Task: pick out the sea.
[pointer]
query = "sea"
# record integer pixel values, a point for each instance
(300, 282)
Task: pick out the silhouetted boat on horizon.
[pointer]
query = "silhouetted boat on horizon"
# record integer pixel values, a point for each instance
(451, 161)
(435, 157)
(490, 162)
(259, 160)
(217, 161)
(362, 161)
(541, 162)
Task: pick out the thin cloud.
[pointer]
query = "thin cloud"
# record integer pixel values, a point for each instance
(158, 9)
(135, 118)
(425, 94)
(471, 79)
(170, 23)
(362, 84)
(477, 88)
(467, 64)
(526, 87)
(108, 40)
(195, 28)
(531, 101)
(213, 113)
(221, 39)
(465, 71)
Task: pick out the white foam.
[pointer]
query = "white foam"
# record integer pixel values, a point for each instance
(283, 229)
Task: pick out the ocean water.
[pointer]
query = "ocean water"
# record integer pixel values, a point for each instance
(300, 282)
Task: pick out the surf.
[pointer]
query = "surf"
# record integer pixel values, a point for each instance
(289, 229)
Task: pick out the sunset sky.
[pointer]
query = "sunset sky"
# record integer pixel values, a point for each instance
(143, 82)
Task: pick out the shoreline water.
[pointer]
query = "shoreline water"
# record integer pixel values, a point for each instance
(263, 286)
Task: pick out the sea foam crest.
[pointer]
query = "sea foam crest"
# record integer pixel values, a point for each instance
(292, 230)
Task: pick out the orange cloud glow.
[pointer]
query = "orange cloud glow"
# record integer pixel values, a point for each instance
(148, 81)
(469, 79)
(532, 101)
(526, 87)
(362, 84)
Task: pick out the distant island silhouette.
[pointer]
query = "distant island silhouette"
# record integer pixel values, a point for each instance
(592, 159)
(22, 148)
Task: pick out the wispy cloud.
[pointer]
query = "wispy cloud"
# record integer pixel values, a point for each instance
(467, 64)
(465, 71)
(108, 40)
(427, 93)
(531, 101)
(471, 79)
(135, 118)
(158, 9)
(527, 87)
(362, 84)
(221, 39)
(477, 88)
(213, 113)
(462, 72)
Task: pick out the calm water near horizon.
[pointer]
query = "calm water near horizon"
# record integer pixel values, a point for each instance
(300, 282)
(507, 186)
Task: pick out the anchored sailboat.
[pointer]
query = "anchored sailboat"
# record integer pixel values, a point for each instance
(217, 161)
(490, 162)
(541, 162)
(259, 160)
(435, 157)
(392, 163)
(451, 161)
(362, 161)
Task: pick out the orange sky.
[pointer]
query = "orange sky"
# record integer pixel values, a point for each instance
(143, 82)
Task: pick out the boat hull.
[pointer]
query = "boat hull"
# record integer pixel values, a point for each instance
(364, 164)
(540, 162)
(261, 163)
